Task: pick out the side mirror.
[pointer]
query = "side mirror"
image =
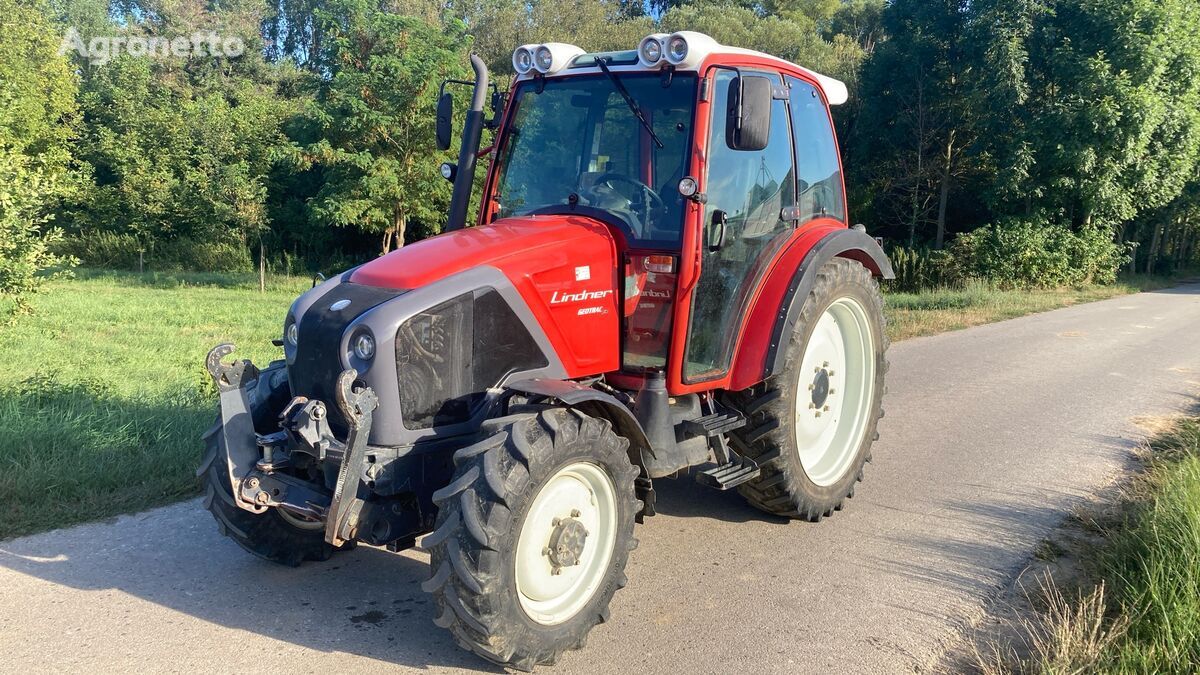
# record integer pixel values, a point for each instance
(445, 117)
(748, 122)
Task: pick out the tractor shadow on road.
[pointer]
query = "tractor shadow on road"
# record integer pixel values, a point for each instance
(685, 498)
(365, 602)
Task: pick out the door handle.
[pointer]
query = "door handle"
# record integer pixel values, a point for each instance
(719, 219)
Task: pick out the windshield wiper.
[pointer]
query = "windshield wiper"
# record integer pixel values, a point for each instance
(633, 106)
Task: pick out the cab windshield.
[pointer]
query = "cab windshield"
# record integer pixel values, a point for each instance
(577, 147)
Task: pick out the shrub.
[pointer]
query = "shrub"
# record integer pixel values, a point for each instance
(107, 250)
(26, 259)
(919, 269)
(111, 250)
(1023, 254)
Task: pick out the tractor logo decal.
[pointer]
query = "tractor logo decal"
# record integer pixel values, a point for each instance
(582, 296)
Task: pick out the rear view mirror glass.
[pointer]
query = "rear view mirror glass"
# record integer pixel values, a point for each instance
(748, 123)
(445, 117)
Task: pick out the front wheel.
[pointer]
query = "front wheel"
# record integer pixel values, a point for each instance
(273, 535)
(532, 536)
(811, 426)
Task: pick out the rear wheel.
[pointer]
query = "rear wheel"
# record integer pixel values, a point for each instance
(532, 536)
(811, 426)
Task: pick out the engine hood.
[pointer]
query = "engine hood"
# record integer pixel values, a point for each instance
(564, 267)
(531, 238)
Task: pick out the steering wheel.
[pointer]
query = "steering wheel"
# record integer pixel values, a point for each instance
(607, 178)
(822, 195)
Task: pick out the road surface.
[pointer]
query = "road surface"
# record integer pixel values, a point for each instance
(991, 435)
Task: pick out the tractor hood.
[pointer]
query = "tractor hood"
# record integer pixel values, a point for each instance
(564, 268)
(528, 244)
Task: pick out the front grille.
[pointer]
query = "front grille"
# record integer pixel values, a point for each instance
(314, 371)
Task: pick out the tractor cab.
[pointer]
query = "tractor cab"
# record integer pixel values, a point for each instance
(661, 281)
(704, 162)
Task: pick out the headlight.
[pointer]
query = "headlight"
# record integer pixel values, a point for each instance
(522, 59)
(554, 56)
(677, 49)
(650, 51)
(364, 346)
(292, 334)
(687, 49)
(543, 59)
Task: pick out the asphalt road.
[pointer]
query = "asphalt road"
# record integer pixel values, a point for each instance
(992, 434)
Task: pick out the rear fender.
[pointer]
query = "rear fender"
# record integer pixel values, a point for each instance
(761, 354)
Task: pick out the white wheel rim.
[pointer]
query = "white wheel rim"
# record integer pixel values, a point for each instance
(839, 356)
(551, 593)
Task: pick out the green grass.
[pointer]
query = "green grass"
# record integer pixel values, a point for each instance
(103, 394)
(1151, 565)
(945, 309)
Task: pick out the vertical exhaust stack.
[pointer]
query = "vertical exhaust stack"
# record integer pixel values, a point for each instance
(469, 150)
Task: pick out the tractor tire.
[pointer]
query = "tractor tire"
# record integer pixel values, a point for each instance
(551, 477)
(810, 466)
(272, 535)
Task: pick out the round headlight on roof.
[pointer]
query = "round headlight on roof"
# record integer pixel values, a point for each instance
(543, 59)
(687, 49)
(522, 59)
(650, 49)
(677, 49)
(554, 56)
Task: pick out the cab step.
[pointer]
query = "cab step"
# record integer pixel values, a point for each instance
(730, 474)
(714, 424)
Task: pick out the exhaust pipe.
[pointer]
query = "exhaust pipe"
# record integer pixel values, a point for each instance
(464, 180)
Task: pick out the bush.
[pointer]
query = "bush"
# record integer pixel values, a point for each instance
(110, 250)
(919, 269)
(1022, 254)
(26, 259)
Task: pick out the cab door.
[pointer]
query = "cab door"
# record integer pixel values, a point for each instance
(743, 228)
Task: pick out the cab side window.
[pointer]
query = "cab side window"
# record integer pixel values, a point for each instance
(818, 167)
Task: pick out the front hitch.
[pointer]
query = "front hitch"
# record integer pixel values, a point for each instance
(233, 383)
(357, 405)
(251, 459)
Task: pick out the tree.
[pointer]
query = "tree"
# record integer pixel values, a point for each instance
(374, 121)
(499, 26)
(181, 146)
(918, 123)
(1104, 121)
(37, 114)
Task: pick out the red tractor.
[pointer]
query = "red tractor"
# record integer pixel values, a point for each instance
(661, 281)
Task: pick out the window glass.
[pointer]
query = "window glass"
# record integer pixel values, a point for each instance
(817, 165)
(750, 188)
(579, 137)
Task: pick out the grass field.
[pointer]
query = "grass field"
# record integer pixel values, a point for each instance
(103, 394)
(103, 391)
(1136, 606)
(941, 310)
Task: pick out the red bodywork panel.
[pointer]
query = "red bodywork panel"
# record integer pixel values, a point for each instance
(565, 268)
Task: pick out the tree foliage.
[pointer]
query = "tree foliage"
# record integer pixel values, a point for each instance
(374, 118)
(37, 115)
(316, 143)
